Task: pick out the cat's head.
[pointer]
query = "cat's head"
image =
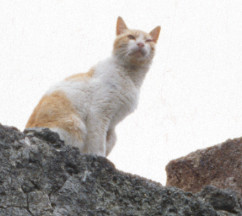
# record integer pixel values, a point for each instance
(134, 46)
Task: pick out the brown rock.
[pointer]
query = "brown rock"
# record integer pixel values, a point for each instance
(220, 166)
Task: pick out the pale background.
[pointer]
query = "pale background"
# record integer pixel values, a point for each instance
(190, 99)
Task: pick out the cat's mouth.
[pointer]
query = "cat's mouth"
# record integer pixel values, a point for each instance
(138, 53)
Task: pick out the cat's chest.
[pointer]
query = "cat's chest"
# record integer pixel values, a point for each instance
(119, 93)
(121, 99)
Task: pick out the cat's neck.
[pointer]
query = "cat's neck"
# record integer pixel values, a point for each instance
(136, 72)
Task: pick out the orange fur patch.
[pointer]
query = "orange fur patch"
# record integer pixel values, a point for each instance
(55, 111)
(81, 76)
(121, 26)
(155, 33)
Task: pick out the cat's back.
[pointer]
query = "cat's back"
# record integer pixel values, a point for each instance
(105, 80)
(103, 87)
(58, 104)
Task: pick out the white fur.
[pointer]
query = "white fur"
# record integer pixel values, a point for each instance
(101, 102)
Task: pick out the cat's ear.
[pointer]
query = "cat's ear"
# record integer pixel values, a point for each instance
(121, 26)
(155, 33)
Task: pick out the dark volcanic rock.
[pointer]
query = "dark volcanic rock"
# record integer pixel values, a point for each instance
(39, 175)
(225, 200)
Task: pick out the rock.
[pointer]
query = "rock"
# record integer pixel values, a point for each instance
(40, 175)
(220, 166)
(225, 200)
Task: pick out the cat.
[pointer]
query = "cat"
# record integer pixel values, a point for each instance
(85, 108)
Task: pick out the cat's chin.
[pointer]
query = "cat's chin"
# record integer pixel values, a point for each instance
(138, 54)
(135, 56)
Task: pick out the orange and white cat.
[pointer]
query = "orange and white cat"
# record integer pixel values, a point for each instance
(85, 108)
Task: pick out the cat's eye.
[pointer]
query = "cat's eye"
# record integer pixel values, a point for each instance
(149, 40)
(132, 37)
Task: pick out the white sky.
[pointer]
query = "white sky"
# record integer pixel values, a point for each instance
(190, 99)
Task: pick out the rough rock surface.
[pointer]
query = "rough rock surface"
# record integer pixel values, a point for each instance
(39, 175)
(220, 165)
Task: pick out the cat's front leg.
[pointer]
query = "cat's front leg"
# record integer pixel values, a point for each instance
(110, 140)
(96, 136)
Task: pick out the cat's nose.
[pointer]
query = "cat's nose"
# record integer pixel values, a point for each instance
(140, 44)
